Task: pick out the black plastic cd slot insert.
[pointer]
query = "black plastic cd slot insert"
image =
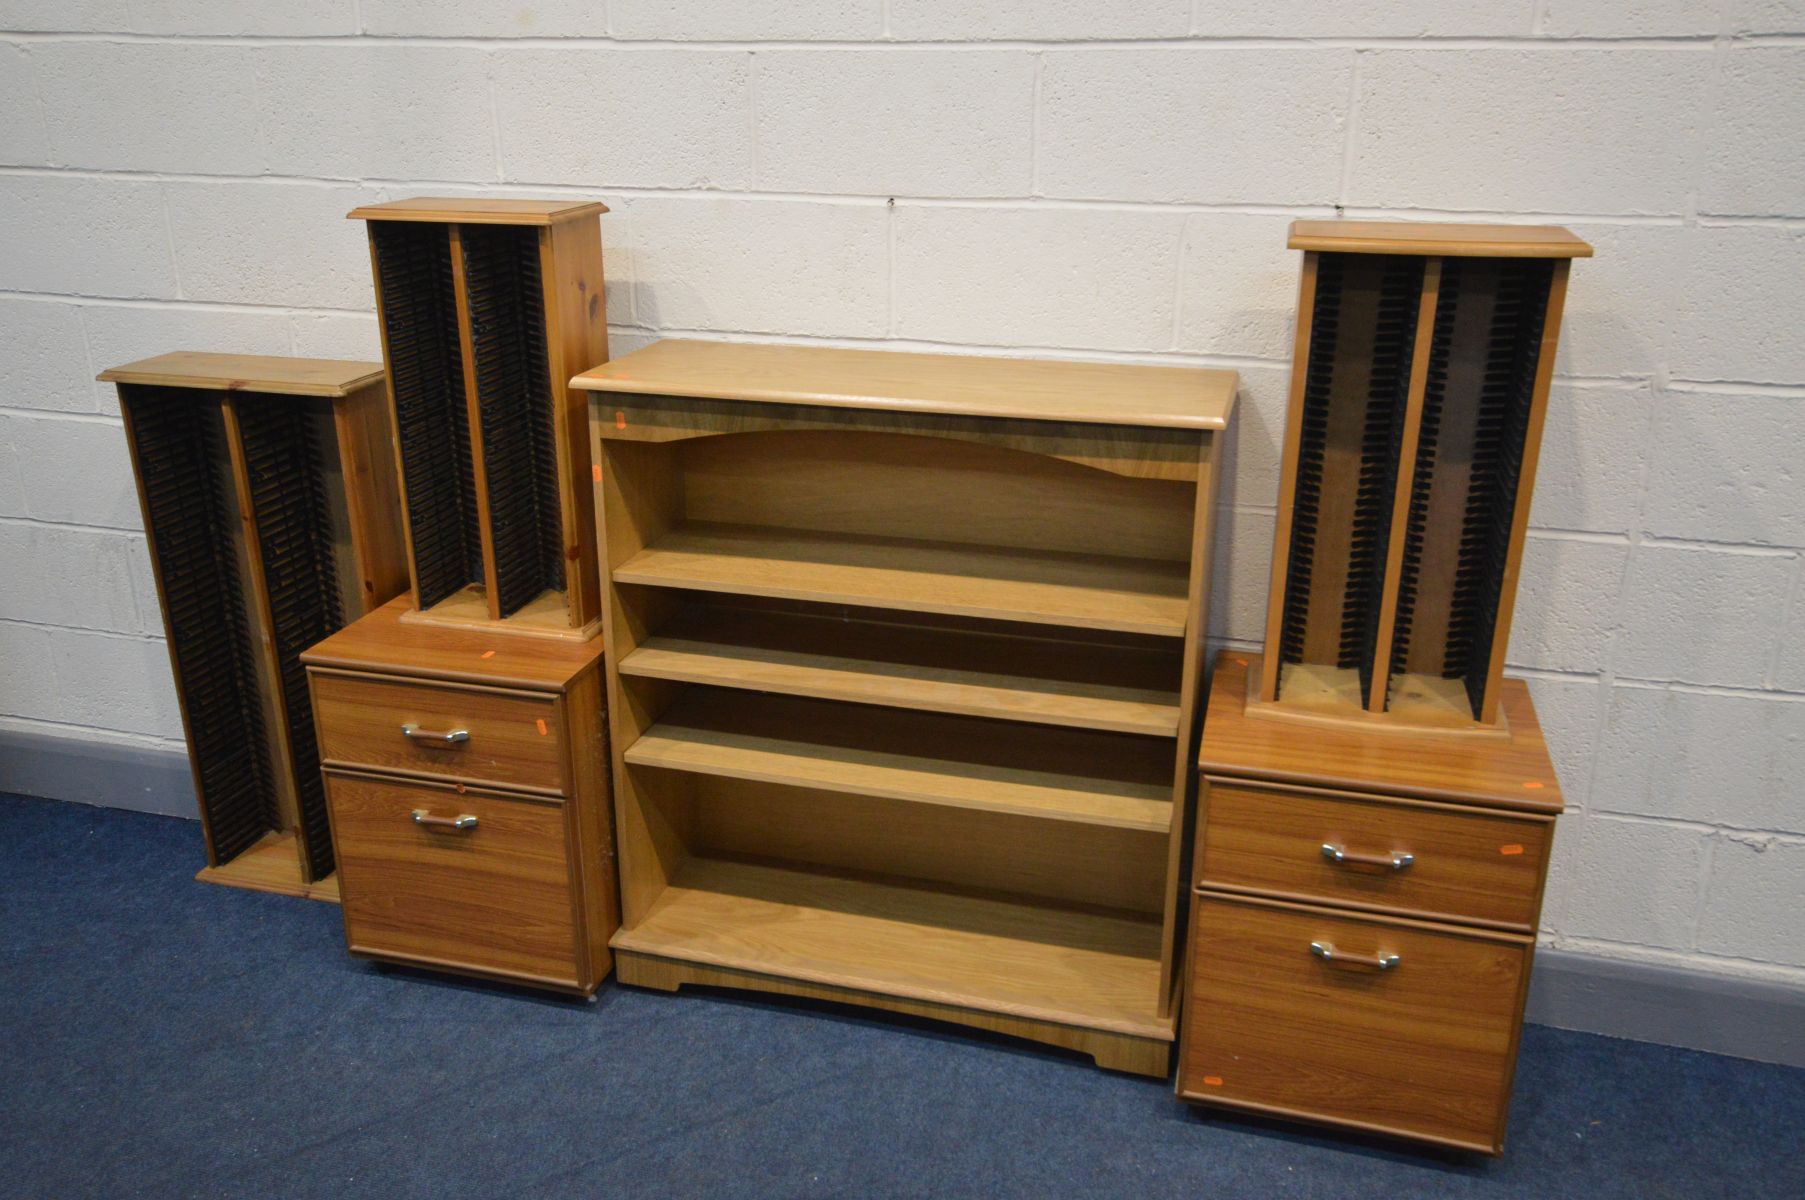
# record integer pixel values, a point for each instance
(180, 445)
(426, 372)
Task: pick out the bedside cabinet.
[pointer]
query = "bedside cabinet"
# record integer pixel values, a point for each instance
(1363, 917)
(467, 781)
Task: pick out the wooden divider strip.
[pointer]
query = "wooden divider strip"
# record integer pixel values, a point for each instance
(1406, 474)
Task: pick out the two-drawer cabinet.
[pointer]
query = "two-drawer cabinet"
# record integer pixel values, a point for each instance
(1363, 919)
(467, 781)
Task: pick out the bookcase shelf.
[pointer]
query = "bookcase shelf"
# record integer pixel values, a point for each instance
(833, 655)
(1091, 778)
(1066, 966)
(905, 654)
(1004, 583)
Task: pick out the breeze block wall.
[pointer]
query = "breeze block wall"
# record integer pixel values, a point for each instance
(1002, 176)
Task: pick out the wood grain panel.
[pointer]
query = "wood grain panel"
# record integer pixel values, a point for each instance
(1080, 865)
(1111, 1051)
(1468, 864)
(948, 384)
(479, 210)
(1426, 1049)
(1512, 771)
(1024, 960)
(904, 486)
(1084, 591)
(496, 897)
(1092, 778)
(1437, 238)
(390, 644)
(514, 737)
(1006, 675)
(209, 371)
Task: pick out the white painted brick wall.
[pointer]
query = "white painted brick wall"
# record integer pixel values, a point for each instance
(1105, 181)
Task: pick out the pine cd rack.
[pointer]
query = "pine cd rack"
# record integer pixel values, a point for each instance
(905, 662)
(487, 307)
(268, 495)
(1419, 384)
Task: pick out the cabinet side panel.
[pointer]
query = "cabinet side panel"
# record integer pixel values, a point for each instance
(576, 324)
(366, 455)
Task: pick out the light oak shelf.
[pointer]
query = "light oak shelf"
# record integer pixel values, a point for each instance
(1119, 688)
(1128, 595)
(1092, 778)
(1028, 960)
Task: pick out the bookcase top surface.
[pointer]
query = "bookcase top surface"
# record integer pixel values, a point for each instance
(1438, 238)
(478, 211)
(943, 384)
(1513, 772)
(247, 373)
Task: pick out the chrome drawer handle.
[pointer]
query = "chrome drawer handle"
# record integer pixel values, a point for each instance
(1397, 860)
(462, 824)
(434, 737)
(1378, 962)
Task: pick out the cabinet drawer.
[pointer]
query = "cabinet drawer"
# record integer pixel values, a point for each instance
(1424, 1048)
(491, 896)
(510, 738)
(1462, 864)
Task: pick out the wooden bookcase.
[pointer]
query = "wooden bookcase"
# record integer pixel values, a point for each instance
(487, 308)
(269, 502)
(1419, 384)
(904, 672)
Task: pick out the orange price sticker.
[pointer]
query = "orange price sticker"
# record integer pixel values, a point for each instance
(595, 472)
(1511, 848)
(620, 419)
(488, 654)
(1212, 1080)
(541, 723)
(1534, 785)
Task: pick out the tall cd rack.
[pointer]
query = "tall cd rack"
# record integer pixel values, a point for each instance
(1419, 384)
(268, 495)
(487, 308)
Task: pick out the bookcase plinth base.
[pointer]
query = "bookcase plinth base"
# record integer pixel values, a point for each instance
(1111, 1051)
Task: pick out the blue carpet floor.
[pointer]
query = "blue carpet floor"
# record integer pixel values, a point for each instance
(161, 1037)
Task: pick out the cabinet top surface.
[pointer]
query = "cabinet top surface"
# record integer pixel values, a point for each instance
(1511, 773)
(383, 643)
(248, 373)
(474, 211)
(941, 384)
(1439, 238)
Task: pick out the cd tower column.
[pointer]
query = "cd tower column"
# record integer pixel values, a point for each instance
(268, 494)
(487, 308)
